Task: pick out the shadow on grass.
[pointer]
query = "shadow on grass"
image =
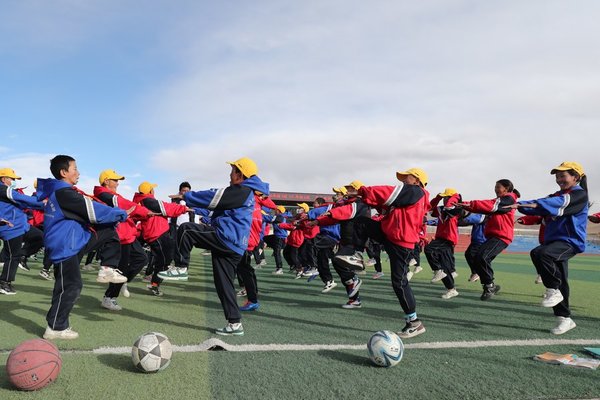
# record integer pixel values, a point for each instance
(121, 362)
(348, 358)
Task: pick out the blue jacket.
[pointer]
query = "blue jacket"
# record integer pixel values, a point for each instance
(565, 215)
(333, 231)
(477, 231)
(68, 216)
(12, 204)
(232, 209)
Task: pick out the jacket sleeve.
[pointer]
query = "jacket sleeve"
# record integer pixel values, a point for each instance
(8, 195)
(268, 203)
(564, 204)
(493, 206)
(83, 209)
(219, 199)
(391, 196)
(530, 220)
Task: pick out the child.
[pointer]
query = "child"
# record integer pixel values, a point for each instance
(477, 222)
(440, 251)
(68, 220)
(325, 241)
(276, 241)
(565, 216)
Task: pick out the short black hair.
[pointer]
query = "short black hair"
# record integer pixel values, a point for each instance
(59, 163)
(185, 184)
(319, 200)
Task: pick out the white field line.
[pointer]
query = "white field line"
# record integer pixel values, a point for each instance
(216, 344)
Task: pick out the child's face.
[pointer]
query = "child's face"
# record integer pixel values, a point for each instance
(410, 180)
(565, 180)
(70, 175)
(500, 190)
(112, 184)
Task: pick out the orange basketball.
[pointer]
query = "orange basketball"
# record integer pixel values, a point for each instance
(33, 364)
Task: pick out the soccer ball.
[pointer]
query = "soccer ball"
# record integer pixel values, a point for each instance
(385, 348)
(151, 352)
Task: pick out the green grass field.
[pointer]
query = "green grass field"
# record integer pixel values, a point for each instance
(295, 312)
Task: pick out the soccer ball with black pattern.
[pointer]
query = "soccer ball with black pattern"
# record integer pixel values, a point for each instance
(385, 348)
(151, 352)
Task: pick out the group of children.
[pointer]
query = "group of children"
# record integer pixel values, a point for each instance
(360, 218)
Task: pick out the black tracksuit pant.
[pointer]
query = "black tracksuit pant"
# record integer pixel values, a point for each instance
(324, 250)
(276, 243)
(133, 259)
(248, 276)
(21, 246)
(470, 255)
(440, 255)
(484, 257)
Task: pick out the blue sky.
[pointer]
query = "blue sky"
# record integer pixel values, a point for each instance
(319, 93)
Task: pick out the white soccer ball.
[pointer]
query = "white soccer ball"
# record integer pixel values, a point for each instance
(385, 348)
(151, 352)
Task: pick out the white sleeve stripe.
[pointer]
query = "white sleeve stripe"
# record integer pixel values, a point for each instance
(394, 194)
(566, 203)
(496, 204)
(215, 200)
(162, 208)
(115, 201)
(89, 207)
(9, 194)
(353, 211)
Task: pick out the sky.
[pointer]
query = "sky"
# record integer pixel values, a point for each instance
(317, 92)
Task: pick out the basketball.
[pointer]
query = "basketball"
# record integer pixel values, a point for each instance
(33, 364)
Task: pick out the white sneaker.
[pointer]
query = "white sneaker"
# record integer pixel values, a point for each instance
(88, 267)
(564, 324)
(450, 294)
(64, 334)
(110, 275)
(278, 271)
(354, 262)
(328, 287)
(538, 280)
(473, 278)
(552, 297)
(418, 269)
(125, 291)
(44, 273)
(370, 262)
(412, 262)
(454, 274)
(110, 303)
(438, 275)
(311, 272)
(409, 275)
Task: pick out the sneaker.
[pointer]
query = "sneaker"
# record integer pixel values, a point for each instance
(110, 303)
(155, 290)
(299, 274)
(23, 264)
(409, 275)
(450, 294)
(354, 262)
(174, 274)
(412, 329)
(6, 288)
(242, 293)
(110, 275)
(249, 306)
(206, 253)
(454, 274)
(489, 291)
(473, 278)
(64, 334)
(412, 262)
(88, 267)
(328, 287)
(564, 325)
(538, 280)
(231, 330)
(147, 278)
(125, 291)
(310, 272)
(438, 275)
(352, 304)
(370, 262)
(263, 262)
(278, 271)
(552, 297)
(44, 273)
(378, 275)
(418, 269)
(352, 289)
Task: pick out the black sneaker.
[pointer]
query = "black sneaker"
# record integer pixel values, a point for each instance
(155, 290)
(6, 288)
(23, 264)
(412, 329)
(489, 291)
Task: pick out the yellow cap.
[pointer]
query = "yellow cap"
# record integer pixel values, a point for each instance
(146, 187)
(35, 183)
(417, 173)
(567, 166)
(355, 184)
(304, 206)
(246, 166)
(448, 192)
(109, 174)
(281, 209)
(9, 173)
(341, 190)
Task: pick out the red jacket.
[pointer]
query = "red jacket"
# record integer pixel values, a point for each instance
(534, 220)
(127, 230)
(257, 218)
(156, 225)
(403, 208)
(447, 227)
(296, 236)
(501, 221)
